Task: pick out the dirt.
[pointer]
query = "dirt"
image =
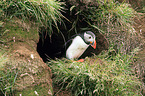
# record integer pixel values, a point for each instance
(33, 75)
(140, 23)
(139, 65)
(32, 70)
(58, 92)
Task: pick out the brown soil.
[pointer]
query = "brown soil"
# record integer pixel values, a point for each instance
(139, 66)
(32, 73)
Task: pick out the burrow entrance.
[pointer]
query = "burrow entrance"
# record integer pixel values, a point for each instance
(51, 47)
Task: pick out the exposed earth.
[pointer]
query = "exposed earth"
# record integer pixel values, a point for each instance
(140, 64)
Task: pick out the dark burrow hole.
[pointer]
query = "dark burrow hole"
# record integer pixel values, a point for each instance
(50, 47)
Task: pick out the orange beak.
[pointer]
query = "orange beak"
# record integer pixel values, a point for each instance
(94, 45)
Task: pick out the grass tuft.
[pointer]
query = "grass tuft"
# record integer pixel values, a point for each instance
(7, 81)
(44, 12)
(110, 13)
(99, 75)
(7, 77)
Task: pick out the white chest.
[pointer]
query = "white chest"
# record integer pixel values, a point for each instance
(76, 49)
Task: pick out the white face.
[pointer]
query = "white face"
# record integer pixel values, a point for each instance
(89, 37)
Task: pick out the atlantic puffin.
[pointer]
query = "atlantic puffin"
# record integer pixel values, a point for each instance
(79, 45)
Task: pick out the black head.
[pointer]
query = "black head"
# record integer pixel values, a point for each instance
(89, 38)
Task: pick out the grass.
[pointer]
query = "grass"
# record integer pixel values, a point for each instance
(111, 13)
(36, 90)
(105, 13)
(109, 73)
(7, 77)
(7, 81)
(115, 20)
(46, 13)
(112, 19)
(99, 75)
(3, 59)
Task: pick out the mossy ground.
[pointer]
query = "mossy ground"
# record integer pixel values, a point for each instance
(41, 89)
(19, 30)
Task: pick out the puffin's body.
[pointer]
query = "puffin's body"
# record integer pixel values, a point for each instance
(77, 48)
(79, 45)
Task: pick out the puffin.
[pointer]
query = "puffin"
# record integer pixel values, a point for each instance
(79, 44)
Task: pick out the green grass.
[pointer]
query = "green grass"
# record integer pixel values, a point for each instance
(46, 13)
(104, 74)
(7, 77)
(105, 13)
(115, 20)
(99, 75)
(3, 58)
(15, 29)
(7, 81)
(110, 18)
(40, 89)
(112, 13)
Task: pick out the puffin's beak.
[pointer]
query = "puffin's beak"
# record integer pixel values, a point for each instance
(94, 45)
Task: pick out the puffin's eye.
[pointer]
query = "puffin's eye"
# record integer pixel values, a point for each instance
(89, 37)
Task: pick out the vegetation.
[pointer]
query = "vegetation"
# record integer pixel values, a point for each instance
(104, 13)
(109, 73)
(112, 19)
(99, 75)
(7, 81)
(7, 77)
(19, 22)
(46, 13)
(117, 14)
